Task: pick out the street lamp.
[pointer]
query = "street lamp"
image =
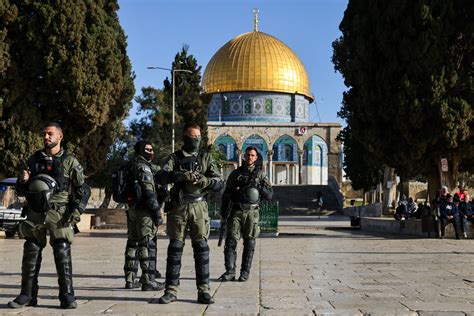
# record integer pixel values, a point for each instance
(174, 89)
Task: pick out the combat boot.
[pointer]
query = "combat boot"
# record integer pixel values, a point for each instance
(153, 286)
(230, 256)
(247, 256)
(132, 285)
(205, 298)
(29, 276)
(167, 298)
(62, 258)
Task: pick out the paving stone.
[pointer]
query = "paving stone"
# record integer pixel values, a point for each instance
(360, 274)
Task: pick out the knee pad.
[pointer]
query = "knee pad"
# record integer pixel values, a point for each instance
(230, 244)
(61, 244)
(249, 243)
(200, 246)
(175, 246)
(31, 245)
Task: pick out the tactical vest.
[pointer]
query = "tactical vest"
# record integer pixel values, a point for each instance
(46, 179)
(246, 190)
(187, 192)
(52, 166)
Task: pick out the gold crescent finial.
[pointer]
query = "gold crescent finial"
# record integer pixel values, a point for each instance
(255, 20)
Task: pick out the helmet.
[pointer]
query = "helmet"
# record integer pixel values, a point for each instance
(42, 183)
(251, 195)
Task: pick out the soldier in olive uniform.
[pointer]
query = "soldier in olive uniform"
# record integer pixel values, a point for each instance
(144, 217)
(245, 187)
(194, 174)
(57, 195)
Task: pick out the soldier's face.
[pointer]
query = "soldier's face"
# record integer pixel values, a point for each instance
(51, 137)
(193, 132)
(250, 157)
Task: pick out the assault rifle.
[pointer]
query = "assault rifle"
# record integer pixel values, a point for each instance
(222, 229)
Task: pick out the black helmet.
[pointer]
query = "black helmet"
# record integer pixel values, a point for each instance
(251, 195)
(40, 190)
(43, 183)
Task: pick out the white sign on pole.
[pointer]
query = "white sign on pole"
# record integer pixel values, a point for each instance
(444, 164)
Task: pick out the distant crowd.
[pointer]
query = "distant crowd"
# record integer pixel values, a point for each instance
(456, 209)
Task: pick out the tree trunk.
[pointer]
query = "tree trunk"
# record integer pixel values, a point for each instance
(388, 192)
(438, 178)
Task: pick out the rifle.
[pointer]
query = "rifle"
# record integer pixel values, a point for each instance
(75, 229)
(222, 229)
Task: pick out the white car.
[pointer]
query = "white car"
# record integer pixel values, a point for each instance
(10, 207)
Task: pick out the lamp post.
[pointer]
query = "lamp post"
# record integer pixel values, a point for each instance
(174, 93)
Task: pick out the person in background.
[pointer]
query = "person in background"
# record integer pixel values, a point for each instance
(466, 213)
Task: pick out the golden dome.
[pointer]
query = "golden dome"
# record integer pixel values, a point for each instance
(256, 61)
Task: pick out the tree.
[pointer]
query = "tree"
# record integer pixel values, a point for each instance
(119, 153)
(155, 123)
(189, 100)
(408, 66)
(67, 63)
(365, 171)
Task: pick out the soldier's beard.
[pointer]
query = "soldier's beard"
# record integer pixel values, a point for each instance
(50, 145)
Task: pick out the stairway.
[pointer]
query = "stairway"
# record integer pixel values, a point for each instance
(297, 199)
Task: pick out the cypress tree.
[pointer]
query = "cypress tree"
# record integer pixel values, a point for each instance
(68, 64)
(408, 66)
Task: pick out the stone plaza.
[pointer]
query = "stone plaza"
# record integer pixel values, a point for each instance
(316, 266)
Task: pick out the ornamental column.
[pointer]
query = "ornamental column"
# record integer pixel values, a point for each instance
(300, 165)
(270, 165)
(239, 153)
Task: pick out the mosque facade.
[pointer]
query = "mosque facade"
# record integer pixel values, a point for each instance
(259, 96)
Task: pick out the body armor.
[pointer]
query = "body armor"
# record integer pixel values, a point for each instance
(187, 191)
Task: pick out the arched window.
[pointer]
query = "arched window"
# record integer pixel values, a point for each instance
(288, 152)
(305, 154)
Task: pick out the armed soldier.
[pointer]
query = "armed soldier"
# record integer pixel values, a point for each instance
(144, 217)
(194, 173)
(53, 183)
(245, 187)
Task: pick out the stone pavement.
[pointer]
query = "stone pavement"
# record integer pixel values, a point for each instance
(316, 266)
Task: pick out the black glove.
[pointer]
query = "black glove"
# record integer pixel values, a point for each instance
(183, 176)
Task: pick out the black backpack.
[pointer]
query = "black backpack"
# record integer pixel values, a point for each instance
(123, 184)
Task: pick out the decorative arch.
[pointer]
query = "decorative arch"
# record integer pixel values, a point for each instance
(315, 160)
(285, 148)
(258, 142)
(228, 146)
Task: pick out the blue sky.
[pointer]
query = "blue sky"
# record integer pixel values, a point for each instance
(157, 29)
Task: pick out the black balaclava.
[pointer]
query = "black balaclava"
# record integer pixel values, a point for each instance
(191, 144)
(140, 150)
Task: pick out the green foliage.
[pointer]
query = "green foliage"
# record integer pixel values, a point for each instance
(66, 62)
(119, 153)
(408, 66)
(189, 104)
(218, 156)
(155, 123)
(364, 170)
